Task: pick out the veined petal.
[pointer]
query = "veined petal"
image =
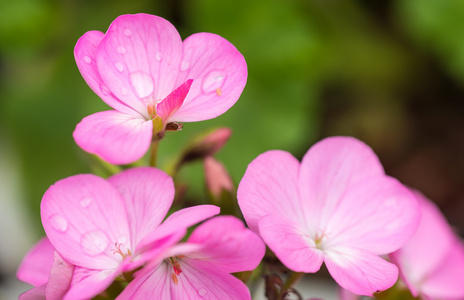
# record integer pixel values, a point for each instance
(378, 215)
(291, 244)
(37, 293)
(84, 216)
(226, 243)
(35, 273)
(84, 53)
(328, 169)
(148, 194)
(360, 272)
(60, 278)
(139, 58)
(219, 74)
(173, 101)
(116, 137)
(87, 283)
(269, 186)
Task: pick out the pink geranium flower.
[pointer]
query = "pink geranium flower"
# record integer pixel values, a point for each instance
(108, 227)
(47, 271)
(153, 80)
(337, 207)
(432, 262)
(199, 269)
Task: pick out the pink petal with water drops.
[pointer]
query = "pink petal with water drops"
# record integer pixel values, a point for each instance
(291, 243)
(378, 215)
(84, 216)
(116, 137)
(30, 271)
(269, 186)
(173, 101)
(328, 169)
(84, 53)
(226, 243)
(219, 74)
(360, 272)
(138, 59)
(148, 194)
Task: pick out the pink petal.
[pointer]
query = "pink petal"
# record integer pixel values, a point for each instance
(327, 170)
(291, 244)
(84, 216)
(197, 280)
(87, 283)
(30, 271)
(60, 278)
(179, 221)
(139, 59)
(447, 280)
(227, 244)
(148, 194)
(219, 74)
(269, 186)
(173, 101)
(378, 215)
(117, 138)
(84, 53)
(37, 293)
(360, 272)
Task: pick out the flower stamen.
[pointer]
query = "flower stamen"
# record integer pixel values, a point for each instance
(120, 252)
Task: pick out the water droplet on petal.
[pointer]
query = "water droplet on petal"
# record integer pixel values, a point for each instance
(202, 292)
(121, 50)
(87, 59)
(127, 32)
(119, 66)
(104, 89)
(142, 83)
(213, 81)
(184, 65)
(59, 223)
(85, 202)
(94, 242)
(124, 91)
(158, 56)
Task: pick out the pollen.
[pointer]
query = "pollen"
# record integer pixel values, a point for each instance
(174, 278)
(120, 252)
(219, 91)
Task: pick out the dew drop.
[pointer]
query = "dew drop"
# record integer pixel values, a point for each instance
(213, 81)
(127, 32)
(119, 66)
(87, 59)
(184, 65)
(202, 292)
(59, 223)
(104, 89)
(94, 242)
(158, 56)
(123, 91)
(85, 202)
(142, 83)
(121, 50)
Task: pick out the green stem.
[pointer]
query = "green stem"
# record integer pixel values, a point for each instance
(110, 168)
(291, 280)
(154, 152)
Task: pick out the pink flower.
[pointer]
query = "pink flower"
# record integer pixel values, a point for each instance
(200, 268)
(432, 262)
(337, 207)
(153, 80)
(108, 227)
(46, 270)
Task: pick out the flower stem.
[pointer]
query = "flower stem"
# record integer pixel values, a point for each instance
(291, 280)
(154, 152)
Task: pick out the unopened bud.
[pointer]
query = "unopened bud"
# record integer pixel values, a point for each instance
(217, 178)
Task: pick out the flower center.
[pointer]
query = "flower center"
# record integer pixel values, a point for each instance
(117, 249)
(174, 262)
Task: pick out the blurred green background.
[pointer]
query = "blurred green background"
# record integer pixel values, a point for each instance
(390, 73)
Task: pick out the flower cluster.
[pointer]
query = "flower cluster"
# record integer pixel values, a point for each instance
(124, 237)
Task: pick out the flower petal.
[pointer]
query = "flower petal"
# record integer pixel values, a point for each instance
(118, 138)
(173, 101)
(84, 53)
(148, 194)
(269, 186)
(87, 283)
(139, 58)
(219, 74)
(84, 216)
(37, 293)
(360, 272)
(32, 272)
(291, 244)
(378, 215)
(227, 244)
(327, 170)
(60, 278)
